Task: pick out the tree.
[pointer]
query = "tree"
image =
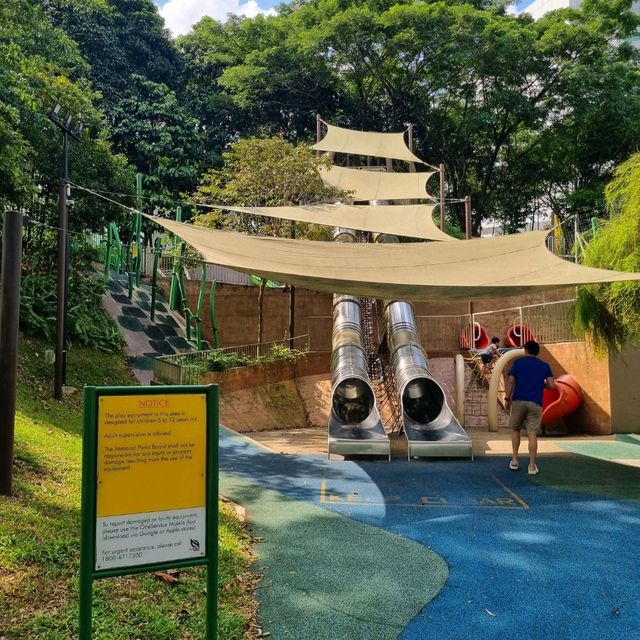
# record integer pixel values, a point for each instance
(256, 76)
(516, 109)
(610, 314)
(118, 38)
(160, 138)
(265, 172)
(40, 65)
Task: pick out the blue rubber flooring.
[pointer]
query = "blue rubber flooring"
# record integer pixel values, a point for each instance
(525, 560)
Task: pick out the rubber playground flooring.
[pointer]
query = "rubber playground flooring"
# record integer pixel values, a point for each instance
(440, 549)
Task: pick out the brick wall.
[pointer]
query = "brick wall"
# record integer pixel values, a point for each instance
(592, 373)
(237, 312)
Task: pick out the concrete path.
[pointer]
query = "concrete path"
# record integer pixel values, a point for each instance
(144, 339)
(524, 559)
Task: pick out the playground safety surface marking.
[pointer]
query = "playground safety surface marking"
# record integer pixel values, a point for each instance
(511, 501)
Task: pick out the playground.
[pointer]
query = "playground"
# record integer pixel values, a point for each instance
(370, 450)
(319, 319)
(377, 480)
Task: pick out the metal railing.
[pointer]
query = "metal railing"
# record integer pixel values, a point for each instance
(188, 368)
(570, 238)
(549, 322)
(166, 262)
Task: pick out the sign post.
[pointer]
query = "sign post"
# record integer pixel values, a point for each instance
(149, 486)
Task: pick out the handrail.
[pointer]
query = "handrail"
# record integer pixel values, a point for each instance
(460, 371)
(496, 375)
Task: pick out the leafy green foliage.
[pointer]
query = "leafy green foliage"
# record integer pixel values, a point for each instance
(610, 314)
(281, 352)
(265, 172)
(160, 139)
(87, 323)
(221, 361)
(522, 113)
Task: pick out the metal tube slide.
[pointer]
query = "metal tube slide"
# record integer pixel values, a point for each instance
(355, 427)
(430, 426)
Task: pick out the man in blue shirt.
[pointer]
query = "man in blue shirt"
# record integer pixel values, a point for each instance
(523, 395)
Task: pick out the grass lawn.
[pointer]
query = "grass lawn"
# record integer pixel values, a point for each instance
(40, 530)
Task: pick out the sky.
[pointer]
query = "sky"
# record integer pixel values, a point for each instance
(181, 15)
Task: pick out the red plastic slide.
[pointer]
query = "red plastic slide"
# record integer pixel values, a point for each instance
(481, 338)
(561, 401)
(518, 334)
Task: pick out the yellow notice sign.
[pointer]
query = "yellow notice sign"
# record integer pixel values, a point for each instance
(151, 453)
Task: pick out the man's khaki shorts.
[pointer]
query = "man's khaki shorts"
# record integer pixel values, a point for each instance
(525, 415)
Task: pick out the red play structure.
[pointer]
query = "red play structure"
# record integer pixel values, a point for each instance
(481, 338)
(518, 334)
(561, 401)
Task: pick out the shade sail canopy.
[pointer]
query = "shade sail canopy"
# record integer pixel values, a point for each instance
(378, 185)
(463, 270)
(411, 221)
(365, 143)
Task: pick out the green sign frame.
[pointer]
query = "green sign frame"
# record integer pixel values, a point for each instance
(88, 573)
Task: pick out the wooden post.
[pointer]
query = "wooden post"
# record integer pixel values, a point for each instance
(467, 216)
(412, 165)
(292, 299)
(9, 318)
(442, 209)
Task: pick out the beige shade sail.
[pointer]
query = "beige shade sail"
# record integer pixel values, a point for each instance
(366, 143)
(411, 221)
(378, 185)
(464, 270)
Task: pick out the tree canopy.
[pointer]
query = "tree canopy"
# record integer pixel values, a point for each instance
(526, 115)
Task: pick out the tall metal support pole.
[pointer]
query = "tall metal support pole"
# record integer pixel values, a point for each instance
(9, 318)
(61, 328)
(138, 227)
(467, 216)
(442, 209)
(173, 291)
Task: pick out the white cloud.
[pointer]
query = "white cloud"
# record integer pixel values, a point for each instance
(181, 15)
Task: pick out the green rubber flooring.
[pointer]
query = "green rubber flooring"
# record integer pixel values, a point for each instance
(323, 590)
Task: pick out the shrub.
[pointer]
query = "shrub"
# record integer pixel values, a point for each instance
(221, 361)
(87, 323)
(281, 352)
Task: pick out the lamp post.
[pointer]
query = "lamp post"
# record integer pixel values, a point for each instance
(69, 128)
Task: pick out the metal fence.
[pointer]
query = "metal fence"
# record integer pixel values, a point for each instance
(188, 368)
(166, 263)
(569, 238)
(549, 322)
